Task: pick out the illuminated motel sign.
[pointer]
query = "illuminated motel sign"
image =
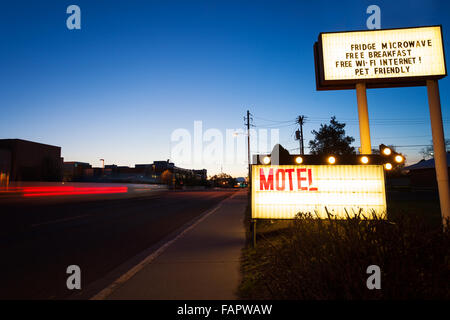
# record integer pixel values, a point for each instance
(282, 191)
(353, 184)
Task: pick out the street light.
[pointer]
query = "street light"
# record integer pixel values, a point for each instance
(235, 134)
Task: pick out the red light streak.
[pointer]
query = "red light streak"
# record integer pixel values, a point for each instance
(65, 190)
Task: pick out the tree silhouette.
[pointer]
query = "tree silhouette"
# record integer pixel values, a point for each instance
(222, 180)
(331, 139)
(428, 152)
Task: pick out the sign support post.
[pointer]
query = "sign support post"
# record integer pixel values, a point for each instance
(440, 157)
(345, 60)
(363, 115)
(254, 233)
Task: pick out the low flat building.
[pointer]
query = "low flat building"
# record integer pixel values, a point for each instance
(26, 160)
(200, 174)
(181, 175)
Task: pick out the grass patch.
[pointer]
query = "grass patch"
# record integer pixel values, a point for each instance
(308, 258)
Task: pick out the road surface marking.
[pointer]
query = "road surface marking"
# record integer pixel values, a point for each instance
(58, 220)
(102, 295)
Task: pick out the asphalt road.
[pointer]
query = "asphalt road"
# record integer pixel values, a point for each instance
(39, 239)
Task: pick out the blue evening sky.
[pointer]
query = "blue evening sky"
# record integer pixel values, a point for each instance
(138, 70)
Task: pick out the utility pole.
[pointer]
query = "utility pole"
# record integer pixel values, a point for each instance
(248, 119)
(248, 147)
(301, 121)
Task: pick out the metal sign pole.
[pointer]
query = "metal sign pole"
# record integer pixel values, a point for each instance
(254, 233)
(363, 115)
(440, 156)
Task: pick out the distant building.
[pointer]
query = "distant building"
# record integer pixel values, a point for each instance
(181, 175)
(200, 174)
(74, 170)
(30, 161)
(423, 173)
(141, 173)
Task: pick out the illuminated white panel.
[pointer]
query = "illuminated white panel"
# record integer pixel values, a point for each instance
(336, 187)
(378, 54)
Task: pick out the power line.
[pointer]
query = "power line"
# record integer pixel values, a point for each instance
(348, 121)
(276, 121)
(274, 126)
(404, 137)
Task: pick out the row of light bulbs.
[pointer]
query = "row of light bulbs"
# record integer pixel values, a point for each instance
(363, 159)
(387, 152)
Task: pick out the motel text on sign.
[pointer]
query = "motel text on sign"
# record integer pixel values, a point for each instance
(282, 191)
